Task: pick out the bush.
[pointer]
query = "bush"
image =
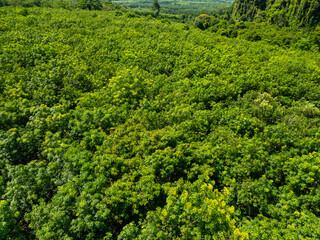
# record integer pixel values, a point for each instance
(205, 21)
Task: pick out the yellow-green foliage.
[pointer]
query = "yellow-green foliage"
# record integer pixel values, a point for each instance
(116, 126)
(204, 21)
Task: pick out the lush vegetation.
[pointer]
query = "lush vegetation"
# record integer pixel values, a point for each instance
(117, 126)
(67, 4)
(285, 37)
(281, 12)
(180, 9)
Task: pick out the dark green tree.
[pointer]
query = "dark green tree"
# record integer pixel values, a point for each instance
(90, 4)
(156, 7)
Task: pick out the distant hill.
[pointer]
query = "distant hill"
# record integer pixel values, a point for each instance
(280, 12)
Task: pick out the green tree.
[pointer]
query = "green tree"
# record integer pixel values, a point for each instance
(204, 21)
(90, 4)
(156, 7)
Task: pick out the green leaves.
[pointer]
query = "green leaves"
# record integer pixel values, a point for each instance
(141, 129)
(192, 211)
(7, 222)
(282, 13)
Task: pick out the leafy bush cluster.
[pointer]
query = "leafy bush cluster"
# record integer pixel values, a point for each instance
(125, 127)
(286, 37)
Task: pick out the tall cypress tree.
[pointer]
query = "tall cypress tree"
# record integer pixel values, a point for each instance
(156, 7)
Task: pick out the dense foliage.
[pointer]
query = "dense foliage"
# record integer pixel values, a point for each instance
(67, 4)
(281, 12)
(260, 29)
(176, 8)
(115, 126)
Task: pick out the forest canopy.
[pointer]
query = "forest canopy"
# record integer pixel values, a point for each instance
(120, 126)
